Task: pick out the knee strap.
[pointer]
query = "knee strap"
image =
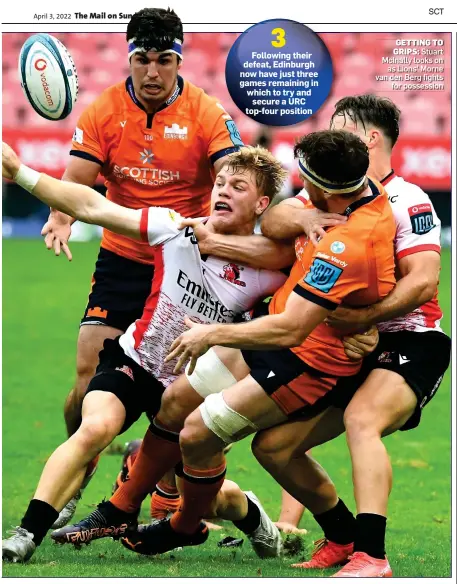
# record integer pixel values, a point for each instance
(210, 375)
(228, 425)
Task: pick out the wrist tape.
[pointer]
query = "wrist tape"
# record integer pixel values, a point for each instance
(27, 178)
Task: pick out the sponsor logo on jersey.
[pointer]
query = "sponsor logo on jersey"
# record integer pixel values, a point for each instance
(123, 123)
(145, 175)
(337, 247)
(175, 132)
(385, 357)
(333, 259)
(207, 307)
(78, 135)
(146, 156)
(231, 273)
(323, 275)
(421, 217)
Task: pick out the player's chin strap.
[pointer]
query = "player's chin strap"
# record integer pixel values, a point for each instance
(330, 187)
(175, 48)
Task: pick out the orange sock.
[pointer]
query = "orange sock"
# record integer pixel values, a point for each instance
(158, 453)
(92, 465)
(198, 489)
(161, 506)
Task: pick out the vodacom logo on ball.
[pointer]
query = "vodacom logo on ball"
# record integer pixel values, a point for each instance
(40, 64)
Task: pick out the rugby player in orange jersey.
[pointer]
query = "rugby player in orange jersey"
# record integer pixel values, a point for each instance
(396, 381)
(290, 359)
(158, 140)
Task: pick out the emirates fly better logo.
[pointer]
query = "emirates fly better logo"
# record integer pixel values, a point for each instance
(146, 156)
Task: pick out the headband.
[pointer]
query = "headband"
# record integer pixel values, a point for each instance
(133, 48)
(330, 187)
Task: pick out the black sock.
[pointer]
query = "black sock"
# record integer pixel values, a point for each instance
(371, 534)
(252, 520)
(338, 524)
(38, 519)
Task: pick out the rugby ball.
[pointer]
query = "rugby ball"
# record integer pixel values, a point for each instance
(48, 76)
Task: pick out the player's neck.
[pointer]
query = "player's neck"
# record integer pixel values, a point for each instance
(380, 165)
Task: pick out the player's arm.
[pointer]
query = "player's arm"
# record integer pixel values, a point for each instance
(276, 331)
(256, 251)
(290, 218)
(81, 172)
(76, 200)
(417, 285)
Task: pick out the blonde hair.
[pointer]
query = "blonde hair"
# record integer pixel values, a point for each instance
(268, 172)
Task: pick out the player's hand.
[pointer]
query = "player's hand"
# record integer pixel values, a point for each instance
(286, 527)
(57, 231)
(201, 232)
(315, 220)
(350, 319)
(10, 162)
(359, 346)
(190, 345)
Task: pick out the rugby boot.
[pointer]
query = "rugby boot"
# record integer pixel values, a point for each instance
(327, 554)
(159, 537)
(66, 515)
(105, 521)
(266, 540)
(19, 547)
(361, 565)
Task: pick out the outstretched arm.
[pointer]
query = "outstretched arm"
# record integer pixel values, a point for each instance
(76, 200)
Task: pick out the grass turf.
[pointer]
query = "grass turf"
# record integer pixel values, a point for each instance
(43, 299)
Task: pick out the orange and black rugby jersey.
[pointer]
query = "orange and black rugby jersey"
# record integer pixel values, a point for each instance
(163, 159)
(353, 264)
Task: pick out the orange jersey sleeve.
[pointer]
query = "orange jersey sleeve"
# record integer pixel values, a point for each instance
(86, 138)
(220, 131)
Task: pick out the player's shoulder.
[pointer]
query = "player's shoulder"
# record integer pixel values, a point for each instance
(200, 102)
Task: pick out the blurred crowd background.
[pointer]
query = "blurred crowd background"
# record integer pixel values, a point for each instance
(422, 155)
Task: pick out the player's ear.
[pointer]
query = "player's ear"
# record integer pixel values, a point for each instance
(262, 204)
(374, 138)
(179, 62)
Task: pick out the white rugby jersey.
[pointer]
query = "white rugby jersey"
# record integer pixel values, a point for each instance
(207, 289)
(418, 229)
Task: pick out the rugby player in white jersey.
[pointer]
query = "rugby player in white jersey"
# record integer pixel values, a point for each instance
(131, 375)
(396, 381)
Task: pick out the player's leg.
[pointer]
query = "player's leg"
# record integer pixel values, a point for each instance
(258, 401)
(103, 416)
(160, 450)
(135, 390)
(90, 343)
(283, 452)
(223, 418)
(114, 303)
(290, 515)
(411, 366)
